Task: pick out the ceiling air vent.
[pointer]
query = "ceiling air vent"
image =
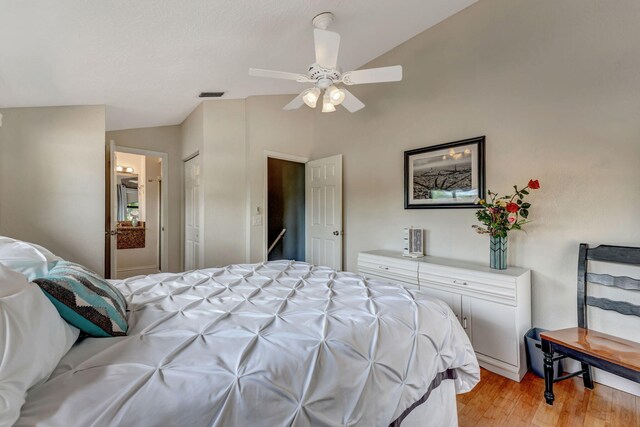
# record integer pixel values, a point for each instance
(210, 94)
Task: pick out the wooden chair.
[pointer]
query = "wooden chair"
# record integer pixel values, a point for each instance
(591, 348)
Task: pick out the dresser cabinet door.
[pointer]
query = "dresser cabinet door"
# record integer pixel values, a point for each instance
(491, 328)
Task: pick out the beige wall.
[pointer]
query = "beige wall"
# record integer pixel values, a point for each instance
(270, 128)
(232, 136)
(164, 139)
(192, 132)
(223, 176)
(52, 180)
(553, 86)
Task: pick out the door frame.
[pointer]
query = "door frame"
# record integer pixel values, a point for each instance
(164, 205)
(265, 232)
(183, 202)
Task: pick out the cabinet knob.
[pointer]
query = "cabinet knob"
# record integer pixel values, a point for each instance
(459, 282)
(464, 322)
(383, 267)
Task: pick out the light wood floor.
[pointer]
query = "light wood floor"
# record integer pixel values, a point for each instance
(497, 401)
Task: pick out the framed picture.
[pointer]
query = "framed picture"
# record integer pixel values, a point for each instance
(445, 176)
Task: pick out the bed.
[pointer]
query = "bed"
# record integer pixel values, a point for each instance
(272, 344)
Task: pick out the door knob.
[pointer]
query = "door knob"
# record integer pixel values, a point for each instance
(336, 233)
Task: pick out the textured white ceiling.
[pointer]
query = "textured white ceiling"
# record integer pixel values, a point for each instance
(147, 60)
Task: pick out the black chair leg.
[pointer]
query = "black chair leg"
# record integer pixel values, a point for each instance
(586, 376)
(548, 372)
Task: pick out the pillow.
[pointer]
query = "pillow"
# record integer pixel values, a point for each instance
(27, 258)
(34, 338)
(85, 300)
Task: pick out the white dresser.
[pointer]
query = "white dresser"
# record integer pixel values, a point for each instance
(493, 306)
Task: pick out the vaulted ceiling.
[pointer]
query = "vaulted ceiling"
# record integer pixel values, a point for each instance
(147, 60)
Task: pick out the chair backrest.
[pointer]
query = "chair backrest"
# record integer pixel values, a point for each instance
(606, 253)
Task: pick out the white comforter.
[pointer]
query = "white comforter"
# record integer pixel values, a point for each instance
(273, 344)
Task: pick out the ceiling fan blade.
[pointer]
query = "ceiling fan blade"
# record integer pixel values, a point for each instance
(373, 75)
(327, 46)
(296, 103)
(350, 102)
(257, 72)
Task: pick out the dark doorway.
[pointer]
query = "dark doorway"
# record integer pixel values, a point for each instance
(285, 189)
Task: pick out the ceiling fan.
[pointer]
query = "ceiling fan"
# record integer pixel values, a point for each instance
(325, 74)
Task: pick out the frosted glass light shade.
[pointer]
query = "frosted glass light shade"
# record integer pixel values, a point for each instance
(327, 106)
(311, 97)
(336, 96)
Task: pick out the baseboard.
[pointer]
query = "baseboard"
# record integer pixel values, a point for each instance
(501, 368)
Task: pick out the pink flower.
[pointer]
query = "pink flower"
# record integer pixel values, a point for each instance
(511, 219)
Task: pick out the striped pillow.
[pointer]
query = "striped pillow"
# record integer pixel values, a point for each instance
(85, 300)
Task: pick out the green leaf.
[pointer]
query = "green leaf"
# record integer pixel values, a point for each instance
(526, 205)
(524, 213)
(524, 192)
(519, 201)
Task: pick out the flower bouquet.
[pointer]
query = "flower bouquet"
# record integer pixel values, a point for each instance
(501, 214)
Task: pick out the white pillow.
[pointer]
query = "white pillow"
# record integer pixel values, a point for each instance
(27, 258)
(34, 338)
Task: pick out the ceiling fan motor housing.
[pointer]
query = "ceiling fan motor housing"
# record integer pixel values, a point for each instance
(323, 77)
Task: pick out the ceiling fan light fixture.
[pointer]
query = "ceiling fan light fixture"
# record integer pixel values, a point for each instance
(311, 97)
(336, 96)
(324, 74)
(327, 106)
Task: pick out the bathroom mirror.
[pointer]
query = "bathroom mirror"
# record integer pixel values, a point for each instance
(128, 200)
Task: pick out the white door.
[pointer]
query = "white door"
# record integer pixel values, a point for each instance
(323, 190)
(491, 328)
(113, 256)
(192, 214)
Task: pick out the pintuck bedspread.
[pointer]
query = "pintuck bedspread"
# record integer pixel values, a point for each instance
(272, 344)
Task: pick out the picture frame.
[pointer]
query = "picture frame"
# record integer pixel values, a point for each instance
(445, 176)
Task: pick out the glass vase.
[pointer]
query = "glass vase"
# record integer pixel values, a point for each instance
(498, 253)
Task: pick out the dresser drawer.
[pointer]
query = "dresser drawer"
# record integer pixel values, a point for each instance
(393, 270)
(470, 284)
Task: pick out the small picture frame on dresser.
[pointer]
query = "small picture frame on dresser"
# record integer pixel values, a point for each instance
(448, 175)
(414, 243)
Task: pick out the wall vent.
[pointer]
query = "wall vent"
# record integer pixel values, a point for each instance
(210, 94)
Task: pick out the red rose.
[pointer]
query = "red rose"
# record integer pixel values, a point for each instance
(534, 184)
(512, 207)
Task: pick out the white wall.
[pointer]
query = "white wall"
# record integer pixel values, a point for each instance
(52, 180)
(165, 139)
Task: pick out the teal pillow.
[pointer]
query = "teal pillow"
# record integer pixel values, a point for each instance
(85, 300)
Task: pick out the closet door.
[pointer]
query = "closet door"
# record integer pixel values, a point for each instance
(491, 328)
